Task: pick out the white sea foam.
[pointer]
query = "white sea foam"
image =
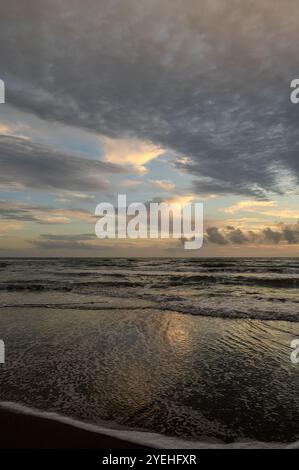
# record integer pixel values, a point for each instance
(148, 439)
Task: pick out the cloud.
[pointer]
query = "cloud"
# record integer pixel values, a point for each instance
(62, 242)
(25, 164)
(8, 227)
(210, 82)
(165, 185)
(131, 152)
(214, 236)
(265, 208)
(70, 196)
(250, 206)
(281, 234)
(42, 214)
(131, 184)
(4, 129)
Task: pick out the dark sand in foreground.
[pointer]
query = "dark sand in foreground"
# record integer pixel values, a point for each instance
(21, 431)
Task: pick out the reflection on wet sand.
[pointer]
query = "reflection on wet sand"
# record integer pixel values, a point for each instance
(186, 376)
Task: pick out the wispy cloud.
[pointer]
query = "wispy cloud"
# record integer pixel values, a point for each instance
(250, 206)
(25, 164)
(71, 196)
(263, 208)
(62, 242)
(42, 214)
(165, 185)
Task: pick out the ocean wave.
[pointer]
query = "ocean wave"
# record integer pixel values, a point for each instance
(66, 286)
(186, 307)
(280, 282)
(158, 281)
(77, 306)
(208, 303)
(140, 437)
(234, 308)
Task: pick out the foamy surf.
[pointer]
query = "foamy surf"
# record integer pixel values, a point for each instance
(184, 348)
(260, 289)
(147, 439)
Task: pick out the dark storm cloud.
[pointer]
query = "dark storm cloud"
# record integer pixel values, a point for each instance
(209, 79)
(281, 234)
(30, 165)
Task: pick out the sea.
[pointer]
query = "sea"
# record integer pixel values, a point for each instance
(171, 352)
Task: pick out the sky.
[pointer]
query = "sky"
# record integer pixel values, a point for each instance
(161, 100)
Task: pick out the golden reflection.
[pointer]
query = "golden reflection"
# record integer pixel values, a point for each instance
(178, 333)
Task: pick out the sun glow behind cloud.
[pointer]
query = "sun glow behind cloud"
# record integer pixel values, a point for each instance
(130, 152)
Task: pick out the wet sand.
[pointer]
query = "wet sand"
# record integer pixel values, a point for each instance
(22, 431)
(192, 378)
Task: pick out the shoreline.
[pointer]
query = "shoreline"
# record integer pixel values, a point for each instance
(39, 431)
(27, 428)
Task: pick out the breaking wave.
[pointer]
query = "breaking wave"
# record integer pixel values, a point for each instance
(148, 439)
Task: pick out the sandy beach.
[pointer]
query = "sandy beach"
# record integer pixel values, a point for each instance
(24, 431)
(167, 362)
